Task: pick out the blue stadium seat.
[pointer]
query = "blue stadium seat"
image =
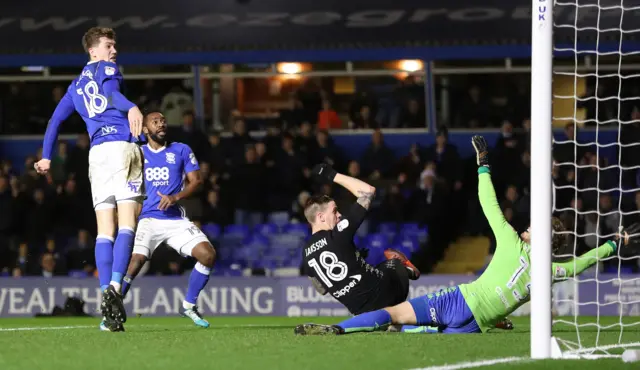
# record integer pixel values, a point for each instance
(278, 218)
(78, 274)
(266, 229)
(359, 241)
(257, 243)
(376, 256)
(408, 241)
(212, 231)
(265, 263)
(285, 241)
(388, 228)
(301, 230)
(377, 241)
(236, 231)
(227, 272)
(233, 236)
(421, 232)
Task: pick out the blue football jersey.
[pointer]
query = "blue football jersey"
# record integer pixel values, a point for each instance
(164, 172)
(104, 121)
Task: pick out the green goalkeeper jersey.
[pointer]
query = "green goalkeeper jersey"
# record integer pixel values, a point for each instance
(505, 284)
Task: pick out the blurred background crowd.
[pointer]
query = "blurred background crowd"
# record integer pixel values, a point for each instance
(255, 185)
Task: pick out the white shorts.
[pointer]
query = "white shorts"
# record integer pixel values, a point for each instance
(181, 235)
(115, 173)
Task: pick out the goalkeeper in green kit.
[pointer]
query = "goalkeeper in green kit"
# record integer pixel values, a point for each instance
(504, 286)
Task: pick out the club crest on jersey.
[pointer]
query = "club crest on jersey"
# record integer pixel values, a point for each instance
(171, 158)
(109, 71)
(343, 225)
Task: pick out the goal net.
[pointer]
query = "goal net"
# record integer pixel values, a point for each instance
(595, 171)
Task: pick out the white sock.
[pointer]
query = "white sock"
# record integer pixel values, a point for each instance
(187, 306)
(116, 286)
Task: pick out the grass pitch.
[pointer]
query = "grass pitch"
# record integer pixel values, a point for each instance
(269, 343)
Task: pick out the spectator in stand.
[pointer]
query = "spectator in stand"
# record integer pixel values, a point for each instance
(364, 119)
(78, 163)
(6, 218)
(413, 115)
(427, 206)
(249, 198)
(215, 153)
(306, 141)
(213, 212)
(236, 145)
(328, 118)
(59, 163)
(175, 104)
(378, 159)
(325, 151)
(191, 135)
(473, 107)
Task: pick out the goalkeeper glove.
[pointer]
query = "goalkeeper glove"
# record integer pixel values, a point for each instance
(482, 150)
(324, 171)
(627, 242)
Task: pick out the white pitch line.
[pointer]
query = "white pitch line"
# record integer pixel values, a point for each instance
(467, 365)
(49, 328)
(36, 328)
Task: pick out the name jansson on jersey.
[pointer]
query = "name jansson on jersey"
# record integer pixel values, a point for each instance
(316, 246)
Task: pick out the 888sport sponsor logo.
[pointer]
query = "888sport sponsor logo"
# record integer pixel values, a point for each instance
(158, 176)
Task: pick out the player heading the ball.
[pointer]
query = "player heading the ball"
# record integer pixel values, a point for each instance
(115, 162)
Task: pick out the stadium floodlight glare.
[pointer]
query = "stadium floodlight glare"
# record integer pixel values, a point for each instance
(411, 65)
(289, 68)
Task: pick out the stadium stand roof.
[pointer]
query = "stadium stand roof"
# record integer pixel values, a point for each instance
(196, 31)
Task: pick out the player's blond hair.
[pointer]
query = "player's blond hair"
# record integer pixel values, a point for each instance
(92, 37)
(315, 204)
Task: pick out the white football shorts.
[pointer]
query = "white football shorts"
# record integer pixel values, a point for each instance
(115, 173)
(181, 235)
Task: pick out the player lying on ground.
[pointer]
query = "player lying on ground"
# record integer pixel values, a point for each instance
(115, 162)
(164, 221)
(331, 260)
(500, 290)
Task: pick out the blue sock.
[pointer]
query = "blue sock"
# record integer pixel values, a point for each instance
(126, 284)
(369, 321)
(104, 259)
(197, 281)
(121, 256)
(418, 329)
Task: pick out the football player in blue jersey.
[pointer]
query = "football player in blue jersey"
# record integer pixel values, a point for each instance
(166, 164)
(115, 162)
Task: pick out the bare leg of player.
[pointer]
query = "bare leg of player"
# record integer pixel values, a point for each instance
(205, 254)
(135, 265)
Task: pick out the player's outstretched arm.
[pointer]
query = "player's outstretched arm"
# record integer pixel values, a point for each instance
(63, 110)
(628, 243)
(487, 193)
(363, 191)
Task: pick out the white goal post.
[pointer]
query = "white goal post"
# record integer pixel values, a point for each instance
(541, 185)
(608, 20)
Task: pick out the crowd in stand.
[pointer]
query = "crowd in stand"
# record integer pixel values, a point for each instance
(50, 227)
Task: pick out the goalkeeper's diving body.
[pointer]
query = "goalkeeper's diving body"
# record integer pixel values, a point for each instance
(504, 286)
